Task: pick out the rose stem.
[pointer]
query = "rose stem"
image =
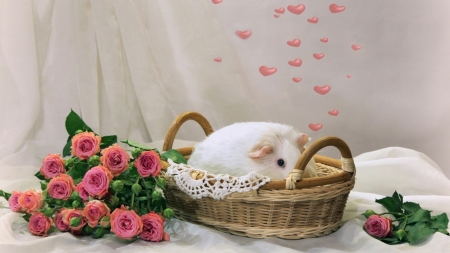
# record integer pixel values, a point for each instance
(132, 194)
(148, 195)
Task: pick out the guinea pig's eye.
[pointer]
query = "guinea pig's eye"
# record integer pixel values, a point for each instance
(280, 162)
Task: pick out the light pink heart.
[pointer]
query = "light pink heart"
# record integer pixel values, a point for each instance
(299, 9)
(243, 34)
(294, 43)
(313, 20)
(296, 79)
(216, 1)
(333, 112)
(356, 47)
(322, 90)
(325, 40)
(296, 63)
(349, 76)
(334, 8)
(276, 15)
(218, 59)
(265, 71)
(315, 127)
(280, 10)
(318, 56)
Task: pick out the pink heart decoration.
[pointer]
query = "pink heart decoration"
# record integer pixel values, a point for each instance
(296, 79)
(243, 34)
(280, 10)
(296, 63)
(356, 47)
(218, 59)
(299, 9)
(276, 15)
(315, 127)
(318, 56)
(333, 112)
(322, 90)
(294, 43)
(334, 8)
(216, 1)
(313, 20)
(265, 71)
(325, 40)
(349, 76)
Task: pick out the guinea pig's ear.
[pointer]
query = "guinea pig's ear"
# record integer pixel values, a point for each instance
(264, 150)
(302, 139)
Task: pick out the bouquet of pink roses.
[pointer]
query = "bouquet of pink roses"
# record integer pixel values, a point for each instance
(96, 187)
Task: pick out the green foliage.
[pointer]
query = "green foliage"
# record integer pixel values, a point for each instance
(74, 123)
(138, 145)
(173, 154)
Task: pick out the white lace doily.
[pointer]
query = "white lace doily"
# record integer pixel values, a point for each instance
(208, 185)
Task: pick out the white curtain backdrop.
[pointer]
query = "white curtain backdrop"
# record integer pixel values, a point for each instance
(129, 67)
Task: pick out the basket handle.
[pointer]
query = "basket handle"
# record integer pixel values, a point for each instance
(348, 164)
(176, 124)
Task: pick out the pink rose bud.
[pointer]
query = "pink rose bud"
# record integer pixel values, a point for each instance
(379, 226)
(59, 223)
(39, 224)
(85, 145)
(153, 228)
(52, 166)
(125, 224)
(96, 181)
(116, 159)
(61, 187)
(68, 214)
(14, 201)
(94, 211)
(31, 201)
(148, 164)
(84, 195)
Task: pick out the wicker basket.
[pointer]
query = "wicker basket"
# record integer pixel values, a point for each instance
(313, 208)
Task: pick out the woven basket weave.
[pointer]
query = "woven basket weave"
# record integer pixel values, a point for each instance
(314, 208)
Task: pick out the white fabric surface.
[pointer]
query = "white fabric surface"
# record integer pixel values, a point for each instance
(378, 173)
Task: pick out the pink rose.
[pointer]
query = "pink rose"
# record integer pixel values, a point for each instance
(59, 223)
(115, 158)
(94, 211)
(153, 228)
(125, 224)
(85, 145)
(14, 201)
(148, 163)
(82, 191)
(61, 187)
(379, 226)
(96, 181)
(39, 224)
(68, 214)
(52, 166)
(30, 201)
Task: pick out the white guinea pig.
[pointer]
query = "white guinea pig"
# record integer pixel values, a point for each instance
(269, 149)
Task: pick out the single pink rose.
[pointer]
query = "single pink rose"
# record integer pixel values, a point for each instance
(148, 163)
(115, 158)
(94, 211)
(52, 166)
(39, 224)
(68, 214)
(14, 201)
(61, 187)
(30, 201)
(96, 181)
(379, 226)
(82, 191)
(59, 223)
(153, 228)
(85, 145)
(125, 224)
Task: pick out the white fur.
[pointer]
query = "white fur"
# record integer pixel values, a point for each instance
(227, 150)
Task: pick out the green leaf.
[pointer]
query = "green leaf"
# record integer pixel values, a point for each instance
(173, 154)
(418, 231)
(420, 215)
(411, 207)
(390, 240)
(39, 175)
(74, 122)
(43, 185)
(444, 231)
(68, 147)
(108, 141)
(137, 145)
(78, 170)
(398, 200)
(26, 217)
(389, 204)
(439, 221)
